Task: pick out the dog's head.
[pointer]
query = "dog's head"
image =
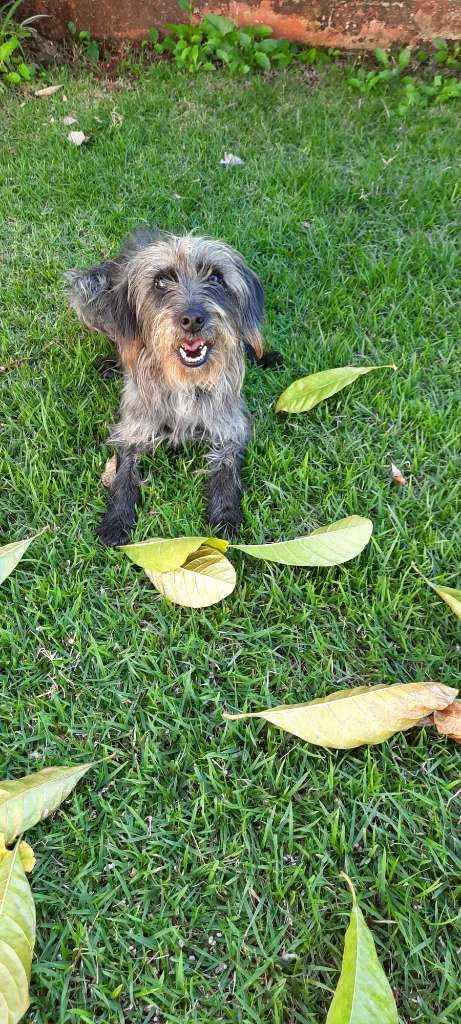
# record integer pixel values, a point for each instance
(190, 303)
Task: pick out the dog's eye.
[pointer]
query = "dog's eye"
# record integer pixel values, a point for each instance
(162, 281)
(215, 278)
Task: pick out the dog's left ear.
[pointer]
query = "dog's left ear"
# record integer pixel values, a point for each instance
(253, 316)
(252, 311)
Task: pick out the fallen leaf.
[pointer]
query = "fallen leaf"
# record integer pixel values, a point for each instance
(11, 554)
(363, 994)
(305, 393)
(230, 160)
(397, 475)
(205, 578)
(163, 554)
(450, 595)
(109, 472)
(27, 855)
(68, 119)
(48, 90)
(77, 138)
(329, 545)
(448, 721)
(116, 118)
(362, 715)
(17, 937)
(24, 802)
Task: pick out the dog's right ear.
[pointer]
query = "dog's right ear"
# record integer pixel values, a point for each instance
(100, 295)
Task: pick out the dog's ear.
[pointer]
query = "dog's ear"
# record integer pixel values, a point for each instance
(252, 311)
(100, 294)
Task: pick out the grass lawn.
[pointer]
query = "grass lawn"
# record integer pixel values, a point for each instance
(193, 876)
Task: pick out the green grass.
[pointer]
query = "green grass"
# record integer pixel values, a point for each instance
(193, 876)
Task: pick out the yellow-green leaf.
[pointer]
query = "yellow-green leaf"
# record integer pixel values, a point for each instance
(450, 595)
(17, 937)
(303, 394)
(10, 555)
(24, 802)
(350, 718)
(205, 578)
(329, 545)
(363, 994)
(448, 721)
(166, 554)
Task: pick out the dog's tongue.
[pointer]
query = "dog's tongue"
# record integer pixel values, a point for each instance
(193, 345)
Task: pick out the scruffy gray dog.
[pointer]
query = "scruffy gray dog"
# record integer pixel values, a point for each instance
(181, 311)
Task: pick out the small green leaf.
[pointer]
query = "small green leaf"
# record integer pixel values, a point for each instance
(24, 802)
(363, 994)
(329, 545)
(382, 57)
(164, 554)
(17, 937)
(72, 27)
(153, 35)
(262, 60)
(6, 49)
(303, 394)
(11, 554)
(219, 23)
(404, 58)
(450, 595)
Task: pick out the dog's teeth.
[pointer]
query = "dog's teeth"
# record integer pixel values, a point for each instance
(192, 360)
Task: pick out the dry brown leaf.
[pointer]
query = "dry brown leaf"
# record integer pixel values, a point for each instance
(397, 475)
(110, 469)
(77, 138)
(448, 721)
(48, 90)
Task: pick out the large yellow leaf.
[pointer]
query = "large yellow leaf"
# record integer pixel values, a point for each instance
(450, 595)
(165, 554)
(24, 802)
(329, 545)
(363, 994)
(303, 394)
(448, 721)
(205, 578)
(17, 937)
(349, 718)
(10, 555)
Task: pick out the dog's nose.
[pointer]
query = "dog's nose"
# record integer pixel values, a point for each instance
(192, 321)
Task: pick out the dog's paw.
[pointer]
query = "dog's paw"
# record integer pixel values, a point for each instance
(270, 359)
(112, 532)
(227, 523)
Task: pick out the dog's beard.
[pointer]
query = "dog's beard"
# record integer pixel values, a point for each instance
(187, 361)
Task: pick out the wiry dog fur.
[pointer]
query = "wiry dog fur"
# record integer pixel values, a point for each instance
(168, 303)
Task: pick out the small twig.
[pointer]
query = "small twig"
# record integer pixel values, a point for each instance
(13, 363)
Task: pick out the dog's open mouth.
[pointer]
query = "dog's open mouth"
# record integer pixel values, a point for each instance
(194, 351)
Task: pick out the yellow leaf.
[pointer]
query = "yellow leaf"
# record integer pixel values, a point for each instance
(451, 596)
(27, 856)
(205, 578)
(303, 394)
(363, 994)
(448, 721)
(109, 472)
(350, 718)
(11, 554)
(24, 802)
(166, 554)
(17, 937)
(329, 545)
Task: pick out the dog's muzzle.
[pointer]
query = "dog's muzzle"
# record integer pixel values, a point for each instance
(194, 351)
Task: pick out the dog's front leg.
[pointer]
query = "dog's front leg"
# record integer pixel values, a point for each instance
(225, 490)
(120, 517)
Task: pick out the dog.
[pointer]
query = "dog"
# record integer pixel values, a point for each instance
(182, 311)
